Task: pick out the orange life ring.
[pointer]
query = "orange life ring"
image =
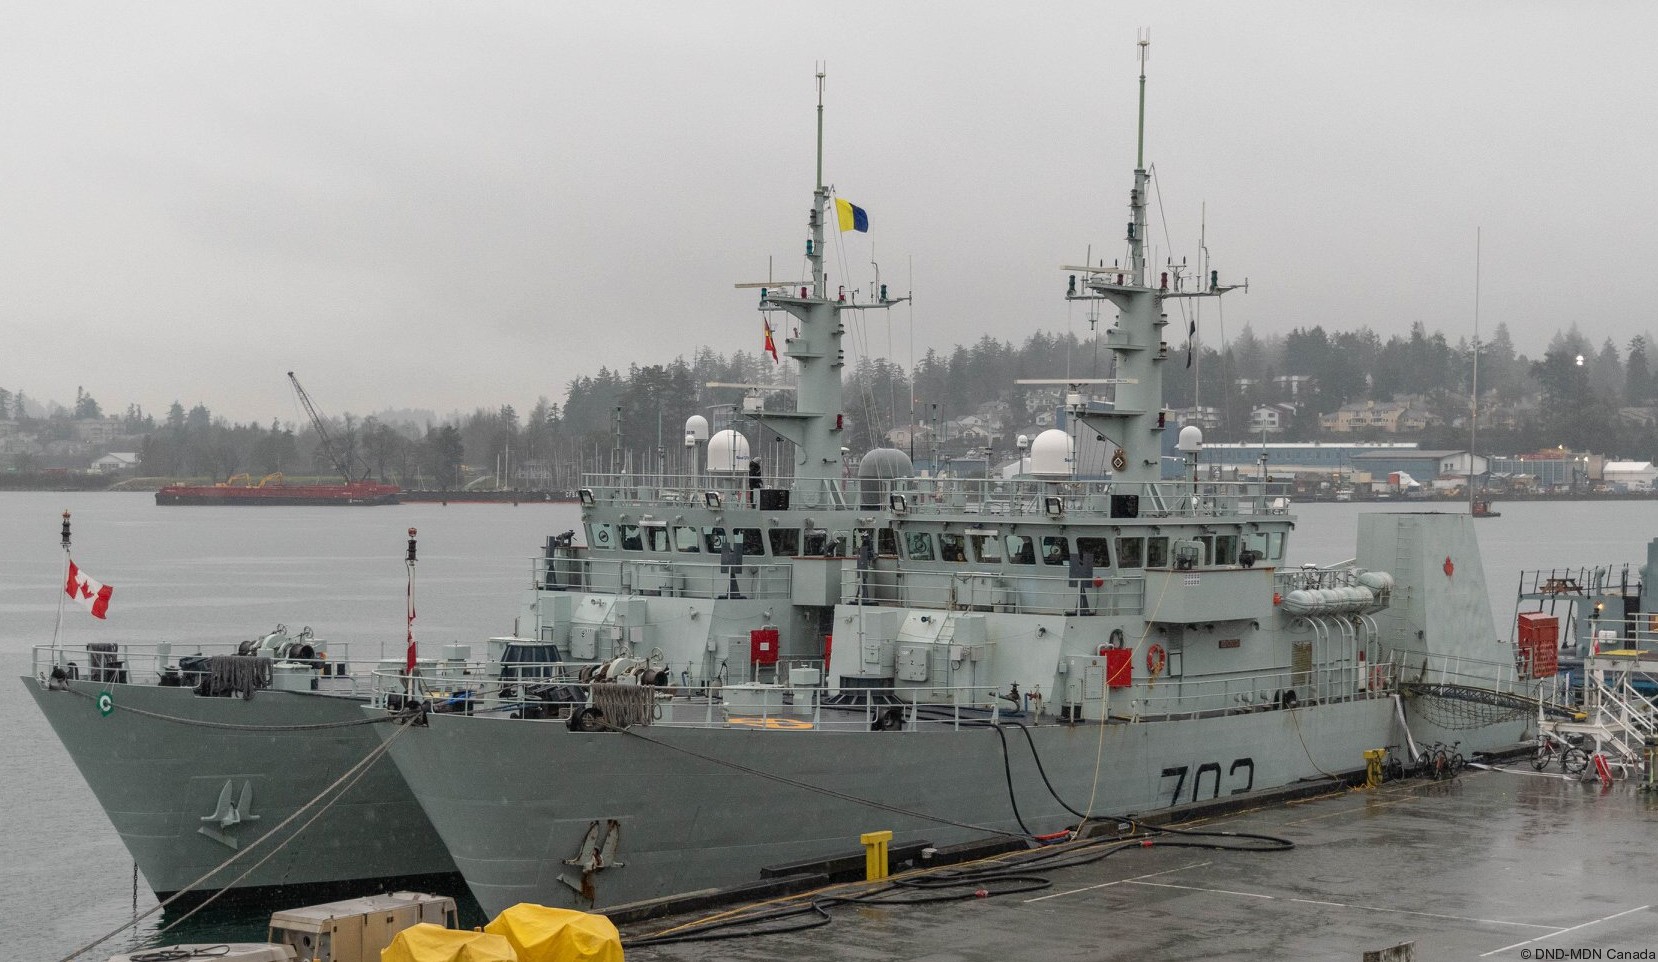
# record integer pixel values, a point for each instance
(1156, 658)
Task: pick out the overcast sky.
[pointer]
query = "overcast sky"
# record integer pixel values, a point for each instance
(446, 205)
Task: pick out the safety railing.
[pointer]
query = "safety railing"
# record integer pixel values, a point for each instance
(1029, 591)
(1081, 500)
(665, 577)
(298, 663)
(1023, 497)
(1416, 667)
(566, 691)
(1206, 695)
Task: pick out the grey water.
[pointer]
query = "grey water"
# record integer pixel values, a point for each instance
(205, 574)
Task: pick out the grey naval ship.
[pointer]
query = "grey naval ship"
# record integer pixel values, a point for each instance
(757, 669)
(245, 767)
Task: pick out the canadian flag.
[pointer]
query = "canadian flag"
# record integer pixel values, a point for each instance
(93, 594)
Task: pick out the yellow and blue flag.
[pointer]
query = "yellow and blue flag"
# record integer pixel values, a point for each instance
(852, 217)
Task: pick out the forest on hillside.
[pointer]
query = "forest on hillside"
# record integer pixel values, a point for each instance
(1587, 398)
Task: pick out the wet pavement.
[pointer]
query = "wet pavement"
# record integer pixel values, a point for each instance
(1495, 864)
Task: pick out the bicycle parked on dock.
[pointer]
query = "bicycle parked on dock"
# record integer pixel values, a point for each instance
(1438, 761)
(1569, 750)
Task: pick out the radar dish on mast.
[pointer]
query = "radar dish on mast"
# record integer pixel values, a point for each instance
(728, 453)
(1050, 454)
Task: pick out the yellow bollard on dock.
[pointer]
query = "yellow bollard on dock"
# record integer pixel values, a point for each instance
(1373, 766)
(875, 854)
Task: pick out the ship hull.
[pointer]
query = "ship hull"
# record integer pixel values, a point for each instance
(688, 824)
(161, 780)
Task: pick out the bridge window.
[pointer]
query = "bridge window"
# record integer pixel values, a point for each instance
(1021, 550)
(951, 547)
(785, 542)
(750, 539)
(1157, 552)
(655, 537)
(685, 538)
(713, 540)
(1131, 552)
(1268, 544)
(987, 548)
(1226, 549)
(602, 537)
(1097, 547)
(1055, 551)
(918, 545)
(631, 540)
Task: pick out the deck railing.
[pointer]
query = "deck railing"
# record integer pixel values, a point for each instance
(561, 690)
(329, 669)
(1022, 497)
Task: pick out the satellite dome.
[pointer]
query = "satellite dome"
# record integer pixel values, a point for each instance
(879, 466)
(1191, 439)
(728, 453)
(696, 426)
(1050, 454)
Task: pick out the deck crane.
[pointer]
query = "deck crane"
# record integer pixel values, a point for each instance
(340, 457)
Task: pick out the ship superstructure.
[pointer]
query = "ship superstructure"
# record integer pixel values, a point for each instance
(759, 668)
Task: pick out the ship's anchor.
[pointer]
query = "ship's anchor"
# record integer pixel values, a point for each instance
(598, 851)
(228, 813)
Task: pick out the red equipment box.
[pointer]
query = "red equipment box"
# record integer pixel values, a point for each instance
(1119, 667)
(1539, 642)
(762, 646)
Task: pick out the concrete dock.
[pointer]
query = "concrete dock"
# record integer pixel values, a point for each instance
(1503, 864)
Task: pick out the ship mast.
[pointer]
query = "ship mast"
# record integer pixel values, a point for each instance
(1474, 392)
(816, 426)
(1135, 423)
(1137, 199)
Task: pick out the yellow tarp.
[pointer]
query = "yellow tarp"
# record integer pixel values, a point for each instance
(426, 942)
(542, 934)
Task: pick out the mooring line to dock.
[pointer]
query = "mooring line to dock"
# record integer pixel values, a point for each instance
(348, 779)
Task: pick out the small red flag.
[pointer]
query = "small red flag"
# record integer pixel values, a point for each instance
(409, 663)
(771, 346)
(93, 594)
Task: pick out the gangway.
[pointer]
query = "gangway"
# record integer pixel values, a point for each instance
(1617, 720)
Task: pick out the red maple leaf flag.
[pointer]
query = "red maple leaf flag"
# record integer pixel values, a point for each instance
(93, 594)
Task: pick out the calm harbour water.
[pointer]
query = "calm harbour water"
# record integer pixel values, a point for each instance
(218, 574)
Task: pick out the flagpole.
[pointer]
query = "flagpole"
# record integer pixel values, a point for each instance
(65, 592)
(409, 662)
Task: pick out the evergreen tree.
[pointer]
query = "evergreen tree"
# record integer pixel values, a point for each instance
(1637, 381)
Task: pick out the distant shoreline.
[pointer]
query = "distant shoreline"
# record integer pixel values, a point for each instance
(148, 487)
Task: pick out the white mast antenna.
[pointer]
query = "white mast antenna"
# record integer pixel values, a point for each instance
(1474, 393)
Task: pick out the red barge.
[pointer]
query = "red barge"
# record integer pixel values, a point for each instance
(353, 493)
